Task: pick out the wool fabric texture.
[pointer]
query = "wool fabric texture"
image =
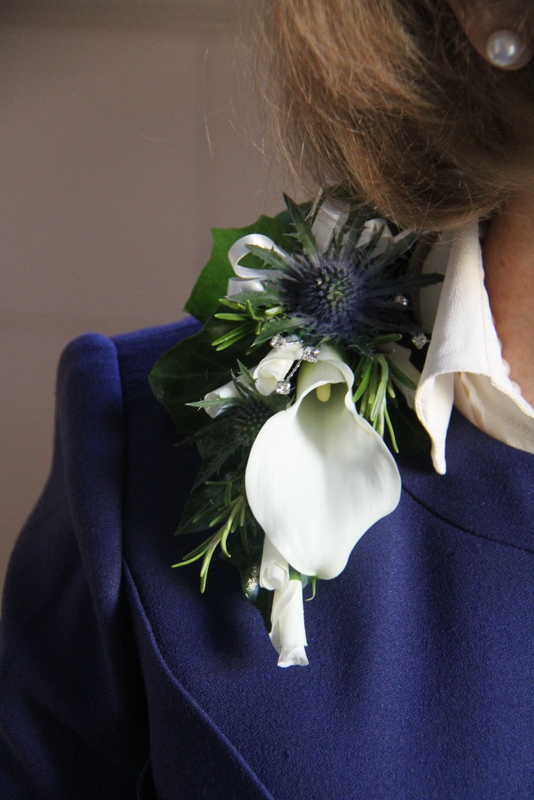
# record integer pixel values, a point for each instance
(118, 680)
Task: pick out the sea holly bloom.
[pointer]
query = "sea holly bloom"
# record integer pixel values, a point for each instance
(318, 475)
(346, 280)
(347, 293)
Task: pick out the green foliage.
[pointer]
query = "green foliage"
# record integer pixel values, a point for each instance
(410, 436)
(213, 280)
(234, 338)
(248, 563)
(231, 514)
(191, 369)
(303, 232)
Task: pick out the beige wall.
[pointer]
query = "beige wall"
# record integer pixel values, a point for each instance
(120, 149)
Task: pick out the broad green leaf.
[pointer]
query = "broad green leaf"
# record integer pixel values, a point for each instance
(248, 564)
(198, 512)
(191, 369)
(213, 280)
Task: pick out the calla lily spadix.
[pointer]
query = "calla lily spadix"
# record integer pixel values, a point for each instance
(318, 475)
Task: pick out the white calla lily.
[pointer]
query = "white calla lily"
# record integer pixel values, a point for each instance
(288, 634)
(318, 475)
(274, 569)
(226, 392)
(276, 365)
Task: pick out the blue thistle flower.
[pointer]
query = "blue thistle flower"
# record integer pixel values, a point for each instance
(344, 297)
(351, 293)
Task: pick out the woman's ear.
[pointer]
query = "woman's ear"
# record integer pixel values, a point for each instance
(501, 31)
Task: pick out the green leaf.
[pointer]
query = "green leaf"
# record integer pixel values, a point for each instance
(400, 376)
(189, 523)
(231, 317)
(270, 258)
(233, 335)
(191, 369)
(248, 564)
(285, 325)
(363, 380)
(411, 437)
(303, 230)
(213, 280)
(200, 508)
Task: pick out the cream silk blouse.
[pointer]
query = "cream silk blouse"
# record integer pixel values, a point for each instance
(464, 365)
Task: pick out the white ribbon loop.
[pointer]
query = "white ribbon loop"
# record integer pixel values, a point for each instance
(240, 249)
(328, 222)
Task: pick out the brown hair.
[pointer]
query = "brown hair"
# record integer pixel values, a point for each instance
(388, 99)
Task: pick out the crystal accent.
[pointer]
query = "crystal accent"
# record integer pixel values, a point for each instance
(401, 300)
(278, 341)
(419, 340)
(283, 387)
(310, 353)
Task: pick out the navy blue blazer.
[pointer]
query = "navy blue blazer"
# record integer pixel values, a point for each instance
(118, 680)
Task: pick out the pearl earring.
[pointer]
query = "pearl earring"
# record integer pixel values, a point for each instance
(504, 48)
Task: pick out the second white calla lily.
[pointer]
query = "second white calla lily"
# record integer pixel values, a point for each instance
(226, 392)
(318, 475)
(275, 366)
(288, 633)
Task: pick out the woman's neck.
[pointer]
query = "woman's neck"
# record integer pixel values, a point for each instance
(509, 277)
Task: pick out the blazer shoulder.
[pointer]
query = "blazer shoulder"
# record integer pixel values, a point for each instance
(95, 372)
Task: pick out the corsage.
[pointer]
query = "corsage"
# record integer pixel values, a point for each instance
(298, 392)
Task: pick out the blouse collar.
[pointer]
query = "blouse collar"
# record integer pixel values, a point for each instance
(465, 346)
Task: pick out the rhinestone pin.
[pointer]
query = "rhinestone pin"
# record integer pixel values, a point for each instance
(283, 387)
(401, 300)
(310, 354)
(278, 341)
(419, 340)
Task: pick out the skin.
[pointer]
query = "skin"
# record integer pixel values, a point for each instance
(509, 245)
(509, 276)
